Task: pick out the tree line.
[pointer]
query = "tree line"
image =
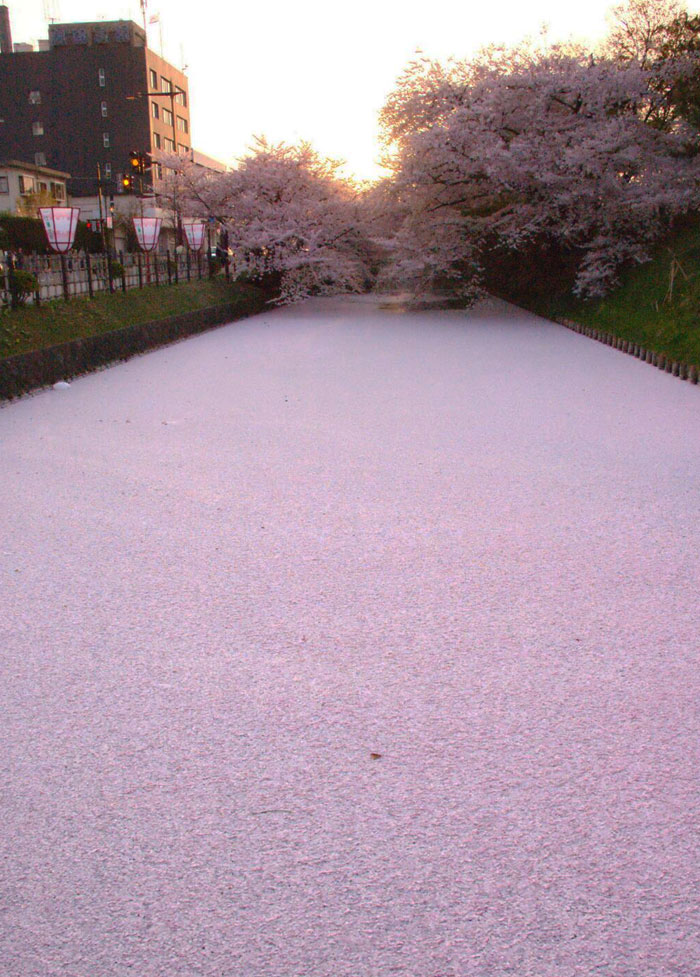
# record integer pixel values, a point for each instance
(544, 167)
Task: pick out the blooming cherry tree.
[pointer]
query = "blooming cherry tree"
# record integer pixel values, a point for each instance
(287, 212)
(534, 146)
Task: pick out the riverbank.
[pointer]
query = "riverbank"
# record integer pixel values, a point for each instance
(58, 340)
(655, 308)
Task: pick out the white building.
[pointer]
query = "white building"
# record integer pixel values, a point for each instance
(25, 186)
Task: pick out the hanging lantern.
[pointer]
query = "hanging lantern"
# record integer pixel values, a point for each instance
(60, 224)
(194, 232)
(147, 232)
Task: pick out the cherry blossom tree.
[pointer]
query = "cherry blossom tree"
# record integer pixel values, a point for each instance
(288, 213)
(532, 147)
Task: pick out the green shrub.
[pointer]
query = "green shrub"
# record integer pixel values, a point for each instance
(22, 285)
(117, 270)
(215, 266)
(28, 234)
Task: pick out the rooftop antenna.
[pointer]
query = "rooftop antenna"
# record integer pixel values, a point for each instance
(144, 13)
(52, 12)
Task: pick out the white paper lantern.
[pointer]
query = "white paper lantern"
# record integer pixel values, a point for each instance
(60, 224)
(147, 232)
(194, 232)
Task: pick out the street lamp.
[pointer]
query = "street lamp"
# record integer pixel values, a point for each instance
(60, 224)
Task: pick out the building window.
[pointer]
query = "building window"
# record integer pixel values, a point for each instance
(40, 159)
(103, 108)
(167, 117)
(181, 98)
(168, 145)
(156, 140)
(43, 187)
(182, 124)
(37, 128)
(153, 75)
(101, 77)
(105, 140)
(4, 185)
(154, 110)
(26, 184)
(159, 168)
(183, 150)
(57, 191)
(35, 98)
(108, 171)
(165, 84)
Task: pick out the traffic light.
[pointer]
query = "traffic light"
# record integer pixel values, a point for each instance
(127, 183)
(139, 162)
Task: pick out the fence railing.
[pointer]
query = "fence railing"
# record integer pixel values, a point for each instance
(80, 273)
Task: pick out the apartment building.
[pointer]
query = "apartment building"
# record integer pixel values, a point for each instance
(24, 188)
(89, 96)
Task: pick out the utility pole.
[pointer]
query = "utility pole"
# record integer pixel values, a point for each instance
(99, 204)
(174, 93)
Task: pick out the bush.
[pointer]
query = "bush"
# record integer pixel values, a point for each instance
(117, 270)
(24, 233)
(22, 285)
(28, 234)
(215, 266)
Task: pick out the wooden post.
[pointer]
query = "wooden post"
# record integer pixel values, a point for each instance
(121, 261)
(64, 277)
(91, 291)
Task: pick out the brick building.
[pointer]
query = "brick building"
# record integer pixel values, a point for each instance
(80, 102)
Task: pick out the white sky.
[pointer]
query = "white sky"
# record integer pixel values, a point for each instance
(312, 69)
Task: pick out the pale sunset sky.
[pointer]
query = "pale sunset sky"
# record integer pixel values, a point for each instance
(312, 69)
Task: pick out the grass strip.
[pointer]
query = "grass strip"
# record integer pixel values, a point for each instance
(52, 323)
(657, 304)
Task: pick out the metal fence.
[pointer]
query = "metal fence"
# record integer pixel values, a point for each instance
(80, 273)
